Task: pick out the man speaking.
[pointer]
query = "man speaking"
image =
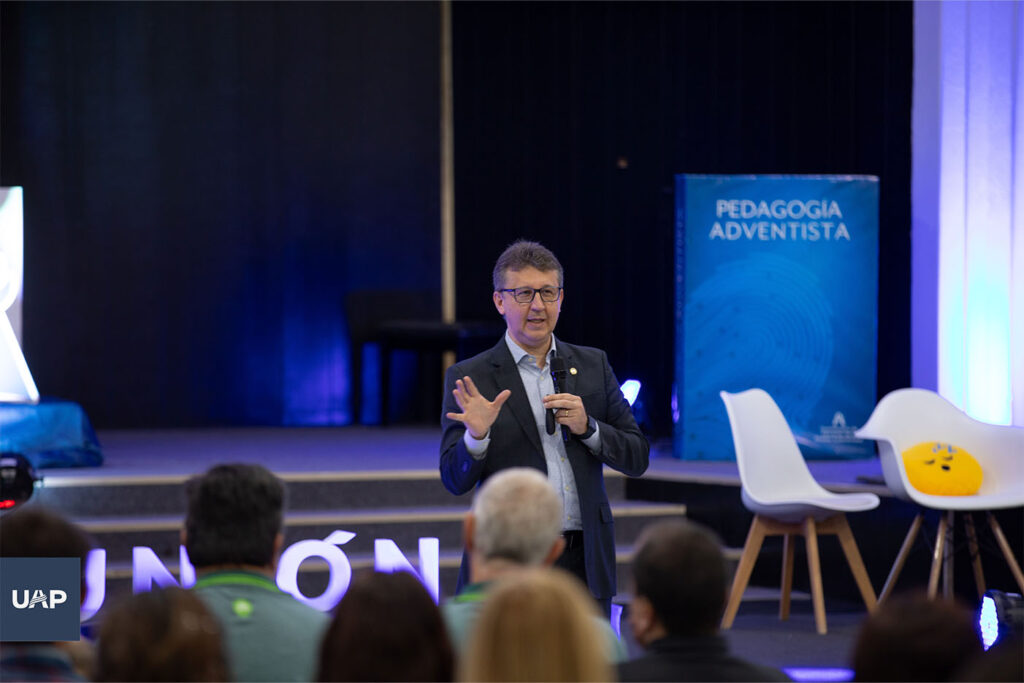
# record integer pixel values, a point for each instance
(502, 409)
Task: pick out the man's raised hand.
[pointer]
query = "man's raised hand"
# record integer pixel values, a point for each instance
(478, 414)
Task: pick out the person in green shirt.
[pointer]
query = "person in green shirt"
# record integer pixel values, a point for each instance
(233, 534)
(515, 524)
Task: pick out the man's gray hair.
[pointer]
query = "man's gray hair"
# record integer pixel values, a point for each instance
(518, 516)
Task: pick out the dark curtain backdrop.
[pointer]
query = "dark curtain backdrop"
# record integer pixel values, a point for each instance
(204, 182)
(572, 119)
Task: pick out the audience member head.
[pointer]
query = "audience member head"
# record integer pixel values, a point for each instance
(537, 625)
(161, 635)
(1004, 661)
(912, 638)
(680, 580)
(35, 531)
(516, 519)
(523, 254)
(234, 518)
(386, 628)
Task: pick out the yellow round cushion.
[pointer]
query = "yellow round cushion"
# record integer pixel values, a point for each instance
(942, 469)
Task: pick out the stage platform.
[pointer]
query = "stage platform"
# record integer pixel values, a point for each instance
(339, 450)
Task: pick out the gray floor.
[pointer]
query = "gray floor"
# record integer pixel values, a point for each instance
(758, 635)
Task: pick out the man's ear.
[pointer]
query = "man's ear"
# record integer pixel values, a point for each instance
(468, 530)
(641, 619)
(557, 548)
(499, 303)
(278, 547)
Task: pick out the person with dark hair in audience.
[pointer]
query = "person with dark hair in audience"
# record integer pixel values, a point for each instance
(680, 582)
(37, 532)
(233, 534)
(913, 638)
(161, 635)
(1004, 661)
(386, 628)
(515, 524)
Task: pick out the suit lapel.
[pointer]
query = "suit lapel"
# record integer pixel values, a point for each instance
(506, 376)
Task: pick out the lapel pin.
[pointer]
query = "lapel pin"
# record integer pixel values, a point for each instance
(572, 371)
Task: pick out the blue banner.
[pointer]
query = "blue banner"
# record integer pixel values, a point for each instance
(777, 288)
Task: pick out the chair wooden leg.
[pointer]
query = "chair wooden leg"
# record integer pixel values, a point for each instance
(937, 554)
(1007, 552)
(947, 558)
(853, 558)
(787, 575)
(755, 537)
(901, 558)
(972, 545)
(814, 569)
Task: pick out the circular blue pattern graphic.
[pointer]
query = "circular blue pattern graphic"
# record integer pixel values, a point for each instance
(761, 321)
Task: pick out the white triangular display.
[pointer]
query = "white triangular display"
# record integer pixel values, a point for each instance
(16, 383)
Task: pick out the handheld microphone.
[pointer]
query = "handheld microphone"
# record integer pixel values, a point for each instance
(559, 377)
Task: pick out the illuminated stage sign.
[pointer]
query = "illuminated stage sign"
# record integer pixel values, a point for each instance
(148, 569)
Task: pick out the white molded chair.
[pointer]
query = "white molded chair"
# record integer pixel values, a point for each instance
(786, 500)
(907, 417)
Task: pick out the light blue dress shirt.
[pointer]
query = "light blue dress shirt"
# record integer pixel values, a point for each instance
(538, 384)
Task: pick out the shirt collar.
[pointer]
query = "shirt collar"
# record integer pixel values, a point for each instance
(13, 654)
(474, 592)
(518, 352)
(236, 577)
(707, 644)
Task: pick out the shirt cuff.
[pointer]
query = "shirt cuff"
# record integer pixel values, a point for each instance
(593, 442)
(477, 447)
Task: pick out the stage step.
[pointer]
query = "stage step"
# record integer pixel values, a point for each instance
(402, 525)
(405, 526)
(130, 496)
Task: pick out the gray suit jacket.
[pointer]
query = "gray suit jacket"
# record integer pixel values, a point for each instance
(515, 442)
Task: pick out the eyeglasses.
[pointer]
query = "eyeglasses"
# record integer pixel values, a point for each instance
(524, 295)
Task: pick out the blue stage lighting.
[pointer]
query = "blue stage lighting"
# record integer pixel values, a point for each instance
(1000, 613)
(630, 389)
(802, 673)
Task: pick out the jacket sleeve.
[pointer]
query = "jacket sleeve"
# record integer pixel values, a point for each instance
(460, 471)
(623, 446)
